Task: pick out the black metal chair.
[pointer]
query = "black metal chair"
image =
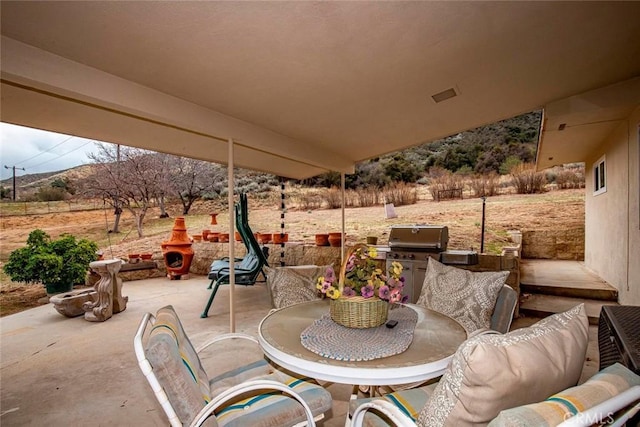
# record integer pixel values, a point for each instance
(246, 270)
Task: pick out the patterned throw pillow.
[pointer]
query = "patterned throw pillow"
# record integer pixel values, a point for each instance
(293, 285)
(466, 296)
(493, 372)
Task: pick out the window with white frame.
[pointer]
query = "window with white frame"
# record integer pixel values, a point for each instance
(599, 176)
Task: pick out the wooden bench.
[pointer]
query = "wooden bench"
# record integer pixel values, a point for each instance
(453, 193)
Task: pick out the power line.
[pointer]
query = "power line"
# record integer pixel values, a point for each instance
(61, 155)
(46, 151)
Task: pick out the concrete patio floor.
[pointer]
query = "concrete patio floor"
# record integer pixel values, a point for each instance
(59, 371)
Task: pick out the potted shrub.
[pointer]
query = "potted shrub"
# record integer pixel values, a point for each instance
(58, 264)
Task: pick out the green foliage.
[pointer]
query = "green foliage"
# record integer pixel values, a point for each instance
(485, 148)
(50, 194)
(369, 174)
(508, 164)
(465, 170)
(399, 169)
(5, 193)
(51, 262)
(63, 184)
(37, 239)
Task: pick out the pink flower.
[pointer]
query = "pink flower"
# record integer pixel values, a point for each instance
(330, 275)
(351, 263)
(396, 296)
(384, 292)
(348, 292)
(325, 287)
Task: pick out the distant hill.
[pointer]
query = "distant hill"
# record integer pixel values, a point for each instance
(31, 182)
(480, 150)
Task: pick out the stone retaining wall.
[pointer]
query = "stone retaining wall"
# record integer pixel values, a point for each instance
(566, 244)
(300, 254)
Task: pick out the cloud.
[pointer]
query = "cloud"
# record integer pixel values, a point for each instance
(40, 151)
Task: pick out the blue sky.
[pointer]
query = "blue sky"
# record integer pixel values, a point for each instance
(40, 151)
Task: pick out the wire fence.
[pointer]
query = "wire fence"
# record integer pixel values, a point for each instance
(35, 208)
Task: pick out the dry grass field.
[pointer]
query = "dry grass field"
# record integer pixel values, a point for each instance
(548, 211)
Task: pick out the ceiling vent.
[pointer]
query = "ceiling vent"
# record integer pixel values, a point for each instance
(444, 95)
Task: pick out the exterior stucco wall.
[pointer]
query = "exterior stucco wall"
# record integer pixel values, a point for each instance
(612, 237)
(631, 295)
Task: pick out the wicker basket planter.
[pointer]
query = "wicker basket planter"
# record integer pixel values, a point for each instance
(359, 312)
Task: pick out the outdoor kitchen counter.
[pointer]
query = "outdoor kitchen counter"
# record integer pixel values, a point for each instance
(436, 338)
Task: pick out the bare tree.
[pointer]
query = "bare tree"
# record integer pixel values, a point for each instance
(164, 164)
(132, 183)
(192, 179)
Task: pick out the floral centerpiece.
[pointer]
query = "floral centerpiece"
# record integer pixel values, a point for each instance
(362, 294)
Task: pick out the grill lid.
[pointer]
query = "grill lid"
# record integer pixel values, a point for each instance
(419, 237)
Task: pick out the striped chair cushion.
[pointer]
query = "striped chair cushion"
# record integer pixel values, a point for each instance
(222, 382)
(604, 385)
(272, 409)
(177, 366)
(410, 402)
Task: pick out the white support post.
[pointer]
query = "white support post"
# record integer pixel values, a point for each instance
(232, 228)
(342, 185)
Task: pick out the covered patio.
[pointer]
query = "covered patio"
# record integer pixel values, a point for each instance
(295, 89)
(66, 371)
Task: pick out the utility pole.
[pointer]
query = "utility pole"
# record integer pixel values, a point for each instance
(14, 179)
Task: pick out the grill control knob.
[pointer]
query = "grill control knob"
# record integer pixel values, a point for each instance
(411, 256)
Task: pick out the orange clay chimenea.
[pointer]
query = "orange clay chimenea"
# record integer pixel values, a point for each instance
(177, 251)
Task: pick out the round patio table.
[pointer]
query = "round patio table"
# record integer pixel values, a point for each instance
(436, 338)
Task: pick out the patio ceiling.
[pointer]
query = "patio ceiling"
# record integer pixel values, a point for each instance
(303, 87)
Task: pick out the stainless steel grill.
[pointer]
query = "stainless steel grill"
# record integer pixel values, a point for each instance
(412, 246)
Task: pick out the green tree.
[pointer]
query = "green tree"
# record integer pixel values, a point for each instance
(508, 164)
(399, 169)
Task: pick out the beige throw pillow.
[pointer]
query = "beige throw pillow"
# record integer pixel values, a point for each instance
(293, 285)
(493, 372)
(466, 296)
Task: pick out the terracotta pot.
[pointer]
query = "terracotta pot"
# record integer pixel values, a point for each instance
(133, 258)
(213, 237)
(146, 256)
(280, 238)
(205, 233)
(197, 237)
(335, 239)
(264, 238)
(213, 218)
(223, 237)
(322, 240)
